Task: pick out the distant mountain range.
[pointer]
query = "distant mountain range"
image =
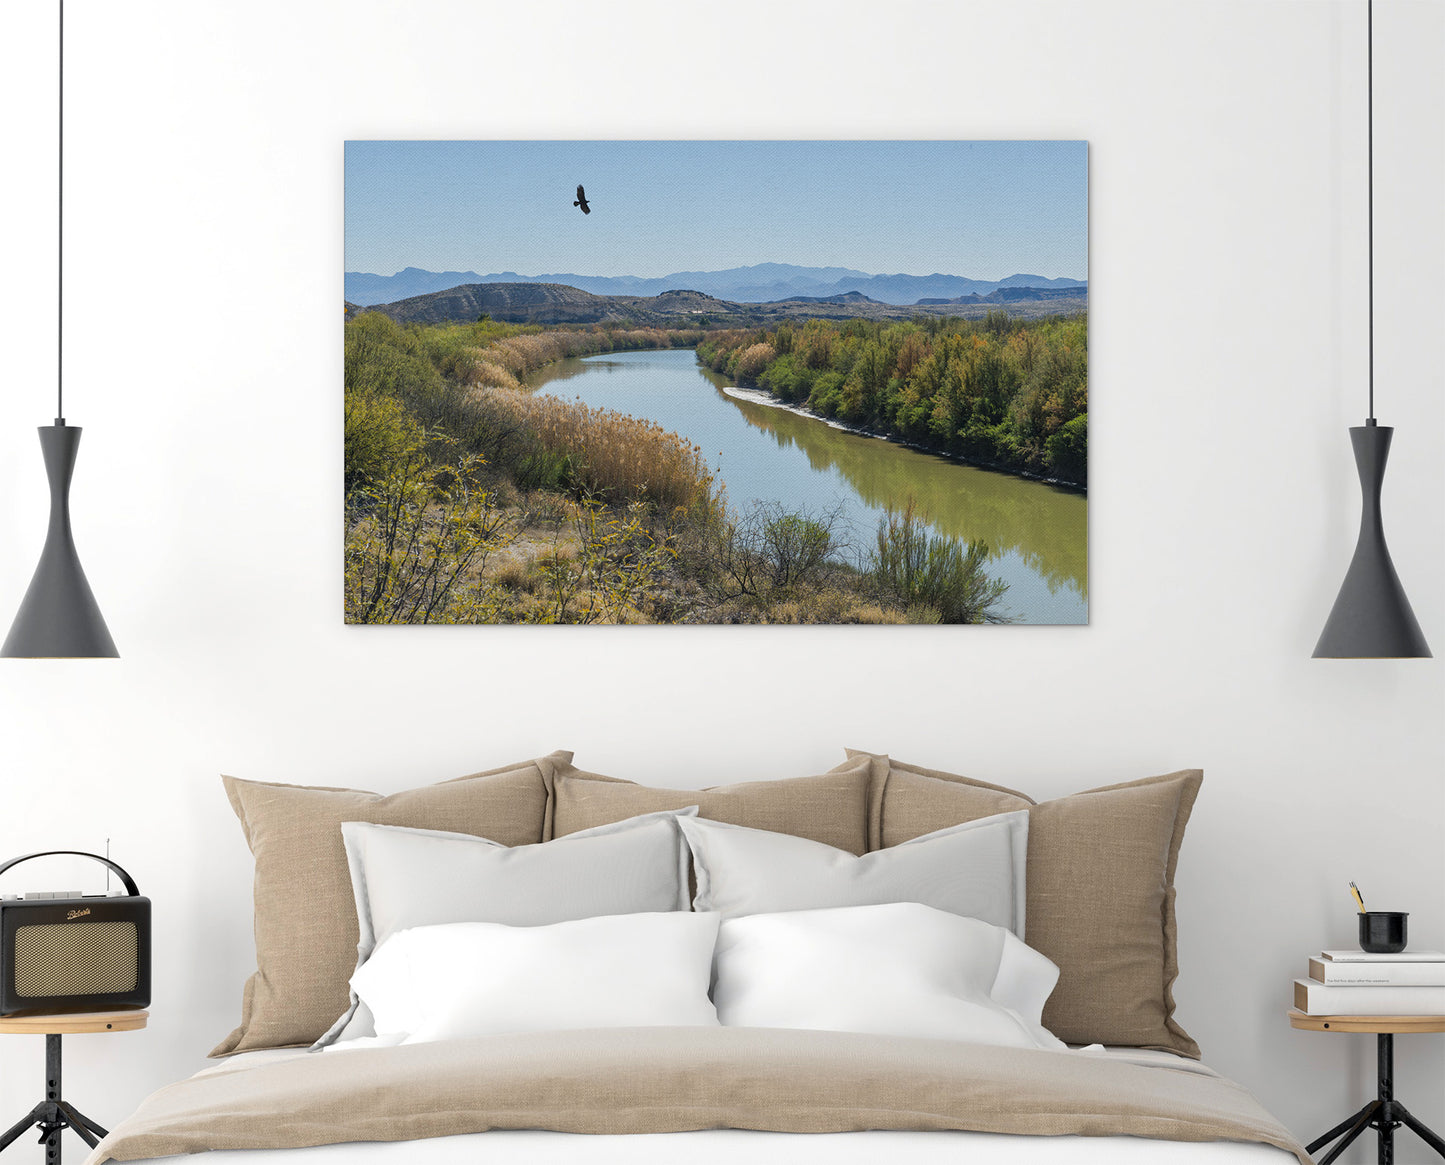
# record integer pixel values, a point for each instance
(558, 303)
(760, 283)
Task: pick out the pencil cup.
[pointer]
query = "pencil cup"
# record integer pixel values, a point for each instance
(1382, 932)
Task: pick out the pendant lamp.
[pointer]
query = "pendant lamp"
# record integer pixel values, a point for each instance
(1371, 618)
(59, 616)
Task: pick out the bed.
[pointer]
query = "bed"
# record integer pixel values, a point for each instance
(555, 965)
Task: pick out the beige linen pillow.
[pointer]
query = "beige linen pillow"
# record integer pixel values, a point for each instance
(305, 913)
(1100, 890)
(831, 808)
(905, 800)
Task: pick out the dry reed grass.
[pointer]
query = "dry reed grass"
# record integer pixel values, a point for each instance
(506, 362)
(616, 456)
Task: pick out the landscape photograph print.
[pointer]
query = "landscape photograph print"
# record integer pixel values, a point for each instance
(710, 382)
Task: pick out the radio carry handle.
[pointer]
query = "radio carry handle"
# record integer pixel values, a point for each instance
(125, 878)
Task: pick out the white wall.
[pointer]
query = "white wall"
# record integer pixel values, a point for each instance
(1228, 266)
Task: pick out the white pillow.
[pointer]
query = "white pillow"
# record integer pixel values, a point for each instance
(469, 979)
(975, 869)
(900, 969)
(403, 878)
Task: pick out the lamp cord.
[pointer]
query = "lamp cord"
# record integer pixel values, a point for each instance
(59, 312)
(1370, 138)
(60, 234)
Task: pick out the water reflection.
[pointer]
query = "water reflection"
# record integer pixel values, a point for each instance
(1046, 525)
(1038, 532)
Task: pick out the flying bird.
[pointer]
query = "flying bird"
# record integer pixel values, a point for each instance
(582, 200)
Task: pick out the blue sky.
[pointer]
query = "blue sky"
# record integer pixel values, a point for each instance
(979, 209)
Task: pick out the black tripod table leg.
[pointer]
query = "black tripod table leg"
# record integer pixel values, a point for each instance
(1349, 1122)
(1429, 1136)
(79, 1118)
(80, 1128)
(24, 1124)
(1360, 1125)
(1385, 1119)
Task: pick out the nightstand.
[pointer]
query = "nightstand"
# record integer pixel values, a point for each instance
(54, 1114)
(1384, 1113)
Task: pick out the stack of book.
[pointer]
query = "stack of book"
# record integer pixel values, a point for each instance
(1357, 983)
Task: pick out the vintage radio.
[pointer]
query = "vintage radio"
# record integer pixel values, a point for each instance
(62, 952)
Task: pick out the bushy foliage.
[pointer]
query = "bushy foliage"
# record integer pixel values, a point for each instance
(785, 378)
(768, 552)
(1069, 449)
(937, 578)
(378, 434)
(604, 574)
(999, 391)
(752, 360)
(415, 535)
(798, 547)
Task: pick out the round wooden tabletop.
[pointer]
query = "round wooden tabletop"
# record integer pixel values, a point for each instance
(80, 1023)
(1378, 1024)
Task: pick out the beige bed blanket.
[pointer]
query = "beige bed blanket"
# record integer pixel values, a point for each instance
(652, 1080)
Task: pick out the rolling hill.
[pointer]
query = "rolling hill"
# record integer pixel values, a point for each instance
(759, 283)
(558, 303)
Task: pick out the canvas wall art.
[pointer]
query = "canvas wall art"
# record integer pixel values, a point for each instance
(764, 382)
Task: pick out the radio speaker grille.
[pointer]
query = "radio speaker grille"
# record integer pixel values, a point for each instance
(75, 958)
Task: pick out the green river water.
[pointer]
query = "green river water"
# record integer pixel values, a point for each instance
(1038, 533)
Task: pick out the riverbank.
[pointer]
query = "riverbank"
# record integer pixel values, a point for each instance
(1002, 393)
(768, 400)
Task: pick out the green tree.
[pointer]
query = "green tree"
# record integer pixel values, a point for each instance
(1068, 451)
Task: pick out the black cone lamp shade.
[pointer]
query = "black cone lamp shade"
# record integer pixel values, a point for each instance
(59, 616)
(1371, 617)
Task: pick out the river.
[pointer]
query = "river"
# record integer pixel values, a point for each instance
(1038, 533)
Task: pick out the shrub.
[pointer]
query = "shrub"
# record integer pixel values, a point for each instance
(382, 359)
(935, 572)
(379, 432)
(604, 575)
(753, 360)
(770, 551)
(781, 378)
(826, 393)
(797, 547)
(413, 536)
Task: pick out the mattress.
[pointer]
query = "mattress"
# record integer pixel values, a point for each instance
(719, 1146)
